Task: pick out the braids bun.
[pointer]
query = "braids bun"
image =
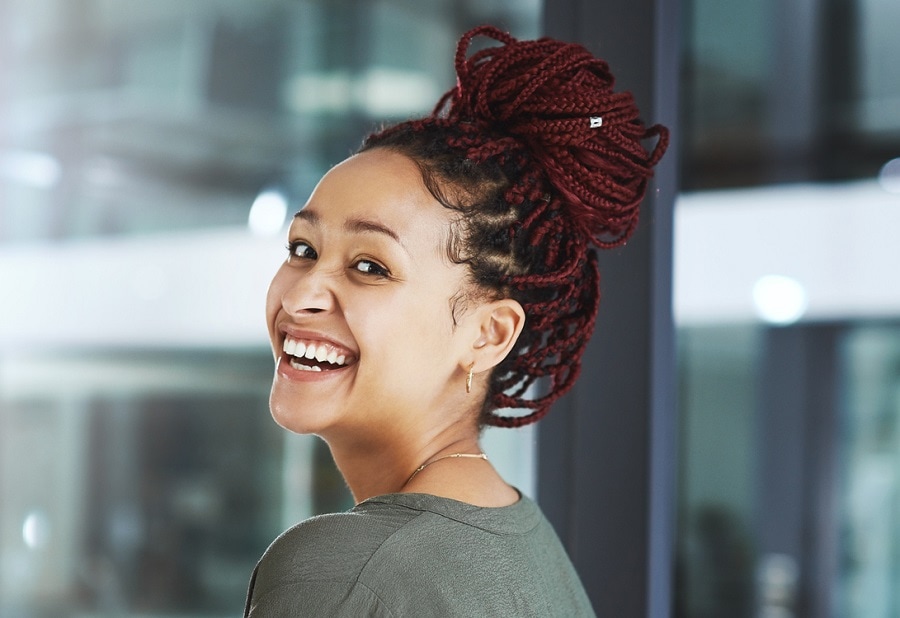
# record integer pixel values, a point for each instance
(557, 100)
(542, 117)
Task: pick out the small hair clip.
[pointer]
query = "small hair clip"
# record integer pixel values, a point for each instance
(596, 121)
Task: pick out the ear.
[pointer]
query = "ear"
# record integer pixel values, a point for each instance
(499, 324)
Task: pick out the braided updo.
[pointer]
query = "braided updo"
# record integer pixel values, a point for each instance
(542, 160)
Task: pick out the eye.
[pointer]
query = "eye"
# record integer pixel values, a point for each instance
(302, 250)
(369, 267)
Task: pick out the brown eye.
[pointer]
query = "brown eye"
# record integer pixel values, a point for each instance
(300, 249)
(369, 267)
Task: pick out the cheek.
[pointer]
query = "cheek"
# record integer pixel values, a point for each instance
(428, 326)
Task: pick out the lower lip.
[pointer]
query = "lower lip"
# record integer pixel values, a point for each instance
(300, 375)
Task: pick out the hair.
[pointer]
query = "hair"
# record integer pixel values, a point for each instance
(543, 161)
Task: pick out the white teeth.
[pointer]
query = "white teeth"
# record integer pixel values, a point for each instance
(303, 367)
(321, 352)
(294, 347)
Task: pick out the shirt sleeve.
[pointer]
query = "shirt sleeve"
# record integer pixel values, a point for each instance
(318, 599)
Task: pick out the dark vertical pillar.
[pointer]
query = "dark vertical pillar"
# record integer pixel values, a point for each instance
(838, 64)
(796, 523)
(607, 453)
(822, 535)
(793, 93)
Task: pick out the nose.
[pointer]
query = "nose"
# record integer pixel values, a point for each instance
(309, 291)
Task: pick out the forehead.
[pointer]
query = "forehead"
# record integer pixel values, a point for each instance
(380, 186)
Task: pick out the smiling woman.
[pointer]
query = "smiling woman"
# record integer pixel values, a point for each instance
(431, 280)
(364, 267)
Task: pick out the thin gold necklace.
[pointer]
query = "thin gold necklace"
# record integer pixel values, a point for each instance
(453, 455)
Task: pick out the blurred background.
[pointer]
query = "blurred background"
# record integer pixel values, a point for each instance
(150, 154)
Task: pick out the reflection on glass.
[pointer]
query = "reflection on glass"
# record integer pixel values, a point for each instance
(716, 553)
(869, 578)
(124, 118)
(138, 491)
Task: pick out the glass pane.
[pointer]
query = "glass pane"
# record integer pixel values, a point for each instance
(717, 482)
(139, 482)
(869, 576)
(144, 116)
(793, 106)
(789, 91)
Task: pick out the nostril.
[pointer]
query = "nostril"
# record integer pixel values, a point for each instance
(301, 310)
(307, 295)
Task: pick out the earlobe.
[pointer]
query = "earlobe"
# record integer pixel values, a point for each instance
(500, 325)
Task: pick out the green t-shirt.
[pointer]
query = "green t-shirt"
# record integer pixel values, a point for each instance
(418, 555)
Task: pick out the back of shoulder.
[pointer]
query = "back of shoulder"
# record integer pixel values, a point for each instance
(313, 569)
(440, 566)
(332, 547)
(397, 560)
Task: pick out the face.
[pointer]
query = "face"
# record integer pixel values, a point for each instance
(359, 314)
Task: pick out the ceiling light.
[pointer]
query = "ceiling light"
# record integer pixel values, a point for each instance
(779, 300)
(268, 212)
(34, 169)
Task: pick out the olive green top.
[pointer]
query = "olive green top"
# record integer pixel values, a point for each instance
(419, 555)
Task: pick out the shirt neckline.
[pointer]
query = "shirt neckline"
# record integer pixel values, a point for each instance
(517, 518)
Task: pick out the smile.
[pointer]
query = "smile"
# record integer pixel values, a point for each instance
(315, 356)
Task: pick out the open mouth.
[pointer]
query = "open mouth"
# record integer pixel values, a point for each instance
(315, 356)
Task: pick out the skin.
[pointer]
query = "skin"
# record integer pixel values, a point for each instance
(368, 277)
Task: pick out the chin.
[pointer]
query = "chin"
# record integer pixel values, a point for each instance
(296, 416)
(295, 421)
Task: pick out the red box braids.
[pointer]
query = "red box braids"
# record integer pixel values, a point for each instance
(542, 160)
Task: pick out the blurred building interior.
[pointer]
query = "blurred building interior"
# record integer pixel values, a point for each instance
(150, 155)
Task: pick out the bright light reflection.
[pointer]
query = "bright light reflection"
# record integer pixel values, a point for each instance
(267, 213)
(889, 176)
(34, 169)
(36, 530)
(384, 92)
(779, 299)
(378, 92)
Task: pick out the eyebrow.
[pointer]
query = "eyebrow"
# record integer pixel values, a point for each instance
(355, 225)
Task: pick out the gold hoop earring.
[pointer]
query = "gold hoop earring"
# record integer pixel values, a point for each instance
(469, 378)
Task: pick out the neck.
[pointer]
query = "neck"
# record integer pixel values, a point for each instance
(379, 468)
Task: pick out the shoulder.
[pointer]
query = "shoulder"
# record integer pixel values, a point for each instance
(333, 547)
(415, 554)
(317, 567)
(345, 564)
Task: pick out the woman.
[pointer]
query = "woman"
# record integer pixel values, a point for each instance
(440, 275)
